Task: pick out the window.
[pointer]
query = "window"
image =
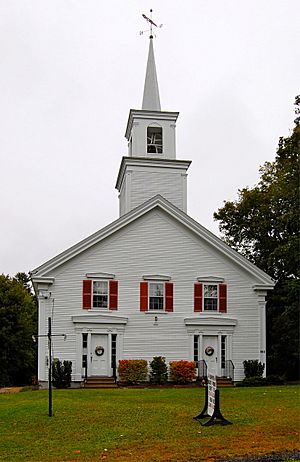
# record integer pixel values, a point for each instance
(196, 348)
(84, 340)
(156, 296)
(223, 351)
(100, 294)
(154, 140)
(210, 297)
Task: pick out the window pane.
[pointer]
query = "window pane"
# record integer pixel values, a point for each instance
(156, 290)
(211, 304)
(211, 291)
(100, 301)
(100, 287)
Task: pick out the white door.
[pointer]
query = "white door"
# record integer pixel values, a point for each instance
(99, 355)
(210, 353)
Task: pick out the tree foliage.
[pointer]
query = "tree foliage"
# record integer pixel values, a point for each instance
(263, 225)
(18, 322)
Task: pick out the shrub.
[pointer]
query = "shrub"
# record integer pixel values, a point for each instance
(159, 370)
(274, 380)
(133, 371)
(182, 371)
(252, 382)
(61, 373)
(253, 368)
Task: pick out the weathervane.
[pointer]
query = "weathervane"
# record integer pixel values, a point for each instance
(149, 21)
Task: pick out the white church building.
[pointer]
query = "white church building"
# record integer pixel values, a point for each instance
(154, 282)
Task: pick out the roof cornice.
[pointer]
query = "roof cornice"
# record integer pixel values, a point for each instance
(146, 162)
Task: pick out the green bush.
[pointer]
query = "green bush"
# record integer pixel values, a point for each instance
(274, 380)
(133, 371)
(182, 371)
(252, 382)
(159, 370)
(61, 373)
(253, 368)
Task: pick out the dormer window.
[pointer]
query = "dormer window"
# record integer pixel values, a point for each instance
(154, 140)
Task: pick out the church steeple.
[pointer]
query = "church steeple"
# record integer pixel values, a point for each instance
(151, 166)
(151, 100)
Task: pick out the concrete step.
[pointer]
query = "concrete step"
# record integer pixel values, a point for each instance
(100, 382)
(224, 382)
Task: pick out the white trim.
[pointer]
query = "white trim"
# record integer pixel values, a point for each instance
(212, 279)
(213, 321)
(156, 277)
(98, 318)
(263, 287)
(100, 276)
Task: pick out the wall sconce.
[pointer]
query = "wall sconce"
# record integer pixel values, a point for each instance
(155, 321)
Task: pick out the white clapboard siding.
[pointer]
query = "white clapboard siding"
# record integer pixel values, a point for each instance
(155, 244)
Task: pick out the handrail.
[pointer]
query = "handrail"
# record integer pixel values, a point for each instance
(202, 369)
(229, 369)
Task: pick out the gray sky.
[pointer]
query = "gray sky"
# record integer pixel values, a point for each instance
(70, 70)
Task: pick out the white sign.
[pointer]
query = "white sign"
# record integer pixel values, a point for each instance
(212, 385)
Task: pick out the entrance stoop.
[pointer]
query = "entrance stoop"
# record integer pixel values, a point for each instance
(224, 382)
(100, 382)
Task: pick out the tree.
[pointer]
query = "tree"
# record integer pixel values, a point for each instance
(263, 225)
(18, 321)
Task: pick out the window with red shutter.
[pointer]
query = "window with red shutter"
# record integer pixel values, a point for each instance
(169, 296)
(113, 295)
(198, 297)
(87, 294)
(144, 296)
(223, 298)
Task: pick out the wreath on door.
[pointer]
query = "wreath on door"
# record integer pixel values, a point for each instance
(99, 350)
(209, 351)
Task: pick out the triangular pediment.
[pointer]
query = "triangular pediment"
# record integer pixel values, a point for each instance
(156, 202)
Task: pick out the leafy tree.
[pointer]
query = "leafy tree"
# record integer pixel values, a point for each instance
(18, 321)
(263, 225)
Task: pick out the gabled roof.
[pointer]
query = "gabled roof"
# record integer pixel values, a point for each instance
(263, 280)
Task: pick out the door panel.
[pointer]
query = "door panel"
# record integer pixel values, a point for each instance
(210, 353)
(99, 364)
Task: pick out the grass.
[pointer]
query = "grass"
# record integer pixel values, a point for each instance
(146, 425)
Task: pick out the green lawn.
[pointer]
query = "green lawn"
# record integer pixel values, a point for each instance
(146, 425)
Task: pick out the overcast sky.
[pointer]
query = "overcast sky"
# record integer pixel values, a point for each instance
(70, 70)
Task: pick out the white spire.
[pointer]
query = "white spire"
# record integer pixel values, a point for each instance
(151, 101)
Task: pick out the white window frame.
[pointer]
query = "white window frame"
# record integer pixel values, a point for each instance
(152, 140)
(159, 310)
(206, 284)
(105, 308)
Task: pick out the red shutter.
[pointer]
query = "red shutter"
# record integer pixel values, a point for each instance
(223, 298)
(169, 296)
(113, 295)
(197, 297)
(87, 295)
(144, 296)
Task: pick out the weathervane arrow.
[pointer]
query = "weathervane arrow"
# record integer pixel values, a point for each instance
(152, 23)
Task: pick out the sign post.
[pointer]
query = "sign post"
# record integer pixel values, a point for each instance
(212, 405)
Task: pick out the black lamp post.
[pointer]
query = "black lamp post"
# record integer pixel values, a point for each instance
(49, 335)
